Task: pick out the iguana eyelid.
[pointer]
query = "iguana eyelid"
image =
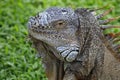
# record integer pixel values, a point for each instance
(60, 24)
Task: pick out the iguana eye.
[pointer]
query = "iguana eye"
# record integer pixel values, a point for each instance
(60, 24)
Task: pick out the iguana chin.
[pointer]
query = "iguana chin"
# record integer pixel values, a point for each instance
(72, 45)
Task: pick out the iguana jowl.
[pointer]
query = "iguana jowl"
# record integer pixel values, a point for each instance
(73, 39)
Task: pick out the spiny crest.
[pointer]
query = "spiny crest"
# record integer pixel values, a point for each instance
(112, 38)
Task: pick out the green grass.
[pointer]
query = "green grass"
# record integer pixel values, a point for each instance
(17, 57)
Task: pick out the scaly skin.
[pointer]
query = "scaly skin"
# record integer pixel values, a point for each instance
(57, 31)
(73, 45)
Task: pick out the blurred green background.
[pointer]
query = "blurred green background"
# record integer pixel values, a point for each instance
(17, 57)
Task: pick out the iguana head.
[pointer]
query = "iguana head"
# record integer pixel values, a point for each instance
(55, 26)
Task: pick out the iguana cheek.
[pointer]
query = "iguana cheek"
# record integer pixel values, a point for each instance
(52, 39)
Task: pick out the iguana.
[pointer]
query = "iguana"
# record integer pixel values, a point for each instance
(72, 45)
